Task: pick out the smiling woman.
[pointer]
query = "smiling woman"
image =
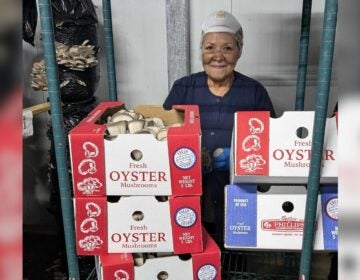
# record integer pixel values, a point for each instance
(221, 47)
(220, 53)
(219, 91)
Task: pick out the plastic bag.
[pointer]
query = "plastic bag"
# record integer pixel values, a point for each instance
(29, 20)
(79, 12)
(72, 34)
(77, 85)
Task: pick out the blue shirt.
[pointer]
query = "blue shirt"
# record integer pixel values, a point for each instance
(217, 113)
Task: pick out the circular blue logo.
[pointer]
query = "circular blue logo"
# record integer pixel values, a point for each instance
(185, 217)
(184, 158)
(332, 209)
(207, 272)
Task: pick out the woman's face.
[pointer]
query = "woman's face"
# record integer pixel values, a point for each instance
(220, 53)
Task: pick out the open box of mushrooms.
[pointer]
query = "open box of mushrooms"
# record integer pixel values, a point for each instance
(142, 151)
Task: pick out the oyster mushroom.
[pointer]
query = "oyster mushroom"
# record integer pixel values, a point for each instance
(119, 116)
(135, 126)
(154, 130)
(154, 122)
(116, 128)
(138, 259)
(162, 134)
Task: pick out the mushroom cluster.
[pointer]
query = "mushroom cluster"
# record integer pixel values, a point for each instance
(77, 58)
(39, 81)
(128, 121)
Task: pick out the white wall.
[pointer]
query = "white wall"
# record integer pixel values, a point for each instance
(139, 29)
(271, 42)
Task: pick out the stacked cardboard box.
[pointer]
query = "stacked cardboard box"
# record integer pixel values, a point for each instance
(134, 193)
(199, 266)
(265, 205)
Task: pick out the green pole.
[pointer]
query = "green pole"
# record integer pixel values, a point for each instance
(109, 50)
(303, 55)
(322, 97)
(47, 30)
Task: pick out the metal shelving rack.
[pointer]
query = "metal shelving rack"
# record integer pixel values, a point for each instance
(47, 30)
(240, 262)
(322, 98)
(238, 265)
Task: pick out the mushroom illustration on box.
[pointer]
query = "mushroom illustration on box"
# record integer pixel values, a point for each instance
(197, 266)
(258, 218)
(278, 150)
(145, 151)
(138, 224)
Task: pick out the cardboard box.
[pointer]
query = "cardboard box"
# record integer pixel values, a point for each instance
(130, 224)
(103, 166)
(275, 219)
(270, 150)
(198, 266)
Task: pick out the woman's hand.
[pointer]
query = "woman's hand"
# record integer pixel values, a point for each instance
(221, 159)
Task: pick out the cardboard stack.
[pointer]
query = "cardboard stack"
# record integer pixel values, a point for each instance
(134, 193)
(265, 203)
(202, 266)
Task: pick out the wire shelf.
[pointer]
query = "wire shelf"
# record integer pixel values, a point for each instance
(259, 265)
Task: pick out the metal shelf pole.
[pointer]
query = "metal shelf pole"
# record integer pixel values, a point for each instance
(109, 49)
(303, 55)
(59, 135)
(322, 97)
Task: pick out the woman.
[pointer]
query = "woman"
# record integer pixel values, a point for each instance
(219, 91)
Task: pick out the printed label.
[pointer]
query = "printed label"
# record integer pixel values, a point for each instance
(288, 153)
(90, 149)
(148, 176)
(92, 209)
(185, 217)
(187, 182)
(332, 208)
(90, 224)
(207, 272)
(240, 216)
(139, 236)
(299, 157)
(184, 158)
(90, 243)
(87, 166)
(89, 186)
(290, 148)
(284, 224)
(252, 143)
(121, 275)
(329, 205)
(87, 163)
(186, 238)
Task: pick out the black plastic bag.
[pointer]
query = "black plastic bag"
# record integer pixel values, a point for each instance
(29, 20)
(79, 12)
(81, 85)
(75, 35)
